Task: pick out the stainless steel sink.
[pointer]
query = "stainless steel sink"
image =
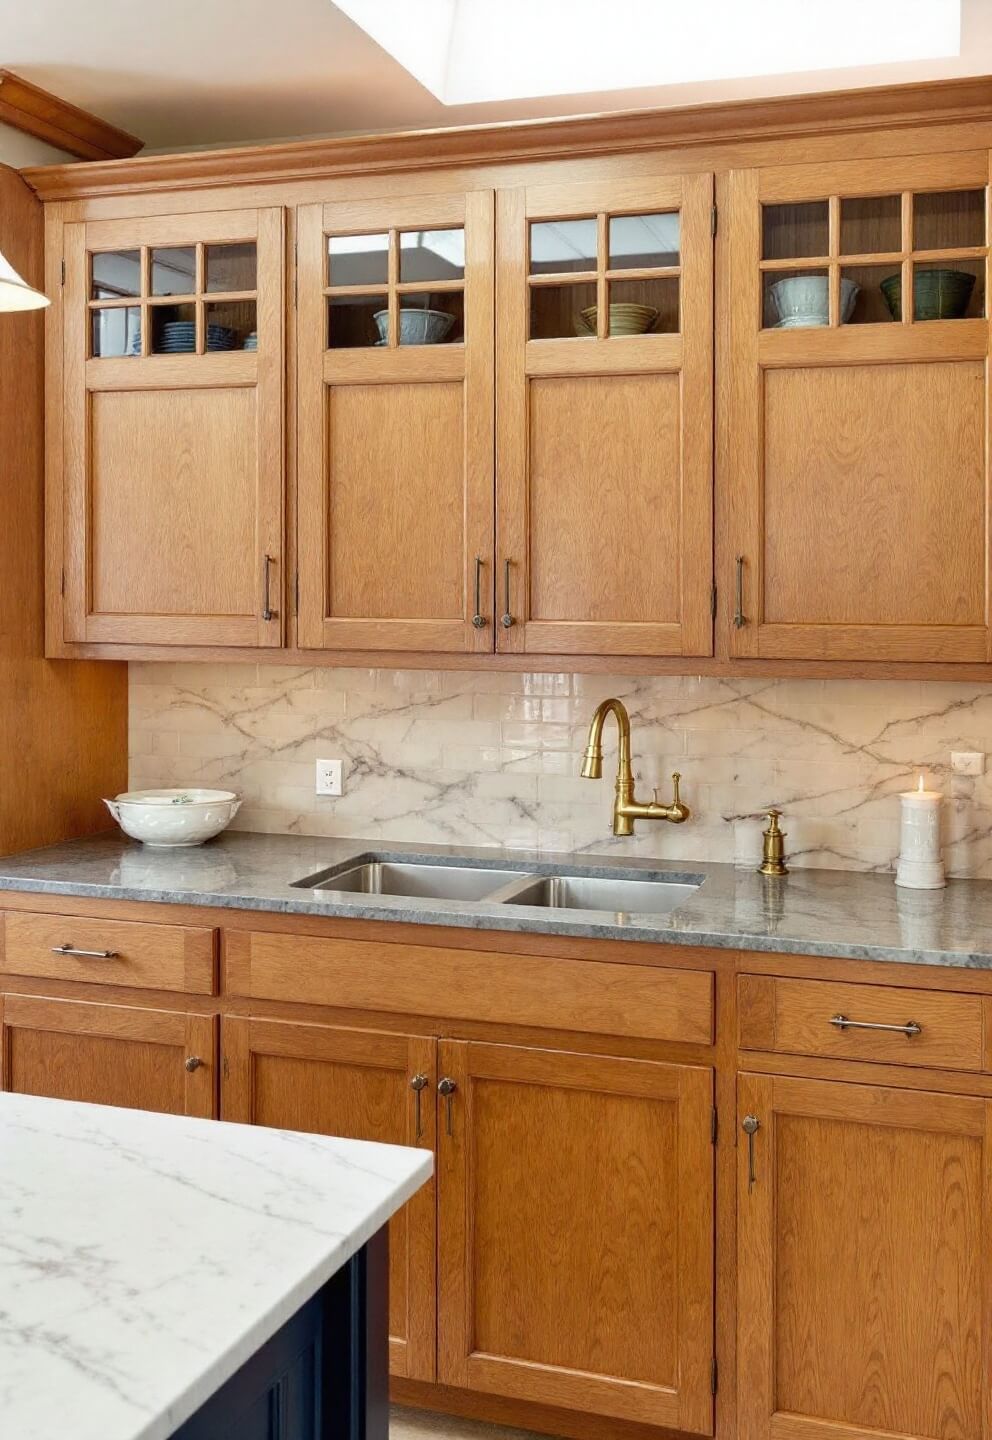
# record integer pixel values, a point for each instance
(588, 892)
(416, 879)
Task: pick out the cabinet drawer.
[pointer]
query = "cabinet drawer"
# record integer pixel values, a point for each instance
(586, 995)
(148, 957)
(803, 1017)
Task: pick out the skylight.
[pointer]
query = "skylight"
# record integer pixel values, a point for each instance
(467, 51)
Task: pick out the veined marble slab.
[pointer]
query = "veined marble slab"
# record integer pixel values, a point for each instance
(144, 1258)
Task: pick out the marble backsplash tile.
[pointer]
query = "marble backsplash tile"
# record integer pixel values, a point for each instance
(493, 758)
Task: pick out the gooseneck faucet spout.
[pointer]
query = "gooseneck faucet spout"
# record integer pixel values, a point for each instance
(626, 809)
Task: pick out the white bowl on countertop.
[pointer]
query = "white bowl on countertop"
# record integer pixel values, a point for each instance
(169, 818)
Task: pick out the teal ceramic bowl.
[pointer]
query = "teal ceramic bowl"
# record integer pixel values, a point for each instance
(937, 294)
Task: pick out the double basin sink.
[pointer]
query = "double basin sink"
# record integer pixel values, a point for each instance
(435, 880)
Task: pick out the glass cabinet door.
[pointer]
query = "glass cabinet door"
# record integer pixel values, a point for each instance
(395, 424)
(604, 395)
(855, 421)
(173, 364)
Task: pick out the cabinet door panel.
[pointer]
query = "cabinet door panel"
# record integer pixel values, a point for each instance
(108, 1054)
(356, 1084)
(863, 1271)
(604, 418)
(576, 1260)
(173, 471)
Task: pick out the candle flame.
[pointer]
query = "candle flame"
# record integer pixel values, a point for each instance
(920, 785)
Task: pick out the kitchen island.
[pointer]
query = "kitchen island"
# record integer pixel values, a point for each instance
(166, 1276)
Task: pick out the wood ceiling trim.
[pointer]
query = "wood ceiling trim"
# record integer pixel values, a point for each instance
(36, 112)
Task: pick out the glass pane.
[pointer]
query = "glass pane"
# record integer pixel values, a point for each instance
(644, 307)
(351, 321)
(428, 319)
(637, 241)
(432, 255)
(948, 220)
(114, 273)
(791, 231)
(562, 310)
(795, 299)
(229, 324)
(117, 331)
(942, 292)
(230, 267)
(863, 301)
(559, 246)
(174, 270)
(173, 329)
(357, 259)
(871, 225)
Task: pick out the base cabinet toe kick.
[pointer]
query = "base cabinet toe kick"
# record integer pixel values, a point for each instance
(665, 1180)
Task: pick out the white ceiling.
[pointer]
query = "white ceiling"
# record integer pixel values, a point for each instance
(194, 73)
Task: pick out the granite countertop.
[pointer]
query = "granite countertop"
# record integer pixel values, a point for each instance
(144, 1258)
(810, 912)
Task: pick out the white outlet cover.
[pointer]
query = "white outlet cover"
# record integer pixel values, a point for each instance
(968, 762)
(330, 777)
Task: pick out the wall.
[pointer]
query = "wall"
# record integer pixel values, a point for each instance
(18, 150)
(493, 759)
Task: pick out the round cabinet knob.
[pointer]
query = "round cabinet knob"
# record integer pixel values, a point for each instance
(446, 1086)
(193, 1062)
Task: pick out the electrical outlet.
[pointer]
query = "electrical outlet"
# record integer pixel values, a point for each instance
(330, 777)
(968, 762)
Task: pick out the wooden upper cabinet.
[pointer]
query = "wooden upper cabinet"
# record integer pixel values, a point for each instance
(863, 1263)
(855, 378)
(576, 1232)
(173, 430)
(395, 450)
(604, 418)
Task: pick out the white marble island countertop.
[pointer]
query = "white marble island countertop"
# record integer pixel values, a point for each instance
(145, 1257)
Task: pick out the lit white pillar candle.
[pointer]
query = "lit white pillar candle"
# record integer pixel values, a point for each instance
(920, 866)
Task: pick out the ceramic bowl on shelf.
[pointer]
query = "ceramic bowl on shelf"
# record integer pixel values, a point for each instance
(417, 327)
(803, 301)
(626, 318)
(937, 294)
(169, 818)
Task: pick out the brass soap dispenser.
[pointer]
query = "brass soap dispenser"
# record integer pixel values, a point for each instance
(773, 855)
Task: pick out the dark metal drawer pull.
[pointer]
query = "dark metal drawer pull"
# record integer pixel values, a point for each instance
(910, 1028)
(68, 949)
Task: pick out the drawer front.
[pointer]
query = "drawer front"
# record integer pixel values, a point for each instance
(585, 995)
(840, 1021)
(147, 957)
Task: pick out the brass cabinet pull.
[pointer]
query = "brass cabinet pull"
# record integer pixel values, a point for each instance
(750, 1125)
(418, 1083)
(909, 1029)
(506, 619)
(740, 619)
(267, 611)
(70, 949)
(447, 1087)
(478, 619)
(193, 1063)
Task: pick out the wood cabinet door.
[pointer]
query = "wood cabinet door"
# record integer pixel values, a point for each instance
(604, 418)
(358, 1084)
(395, 424)
(109, 1054)
(864, 1218)
(576, 1232)
(855, 444)
(173, 430)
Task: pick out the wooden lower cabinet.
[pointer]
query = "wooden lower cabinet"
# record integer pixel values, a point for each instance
(109, 1054)
(576, 1232)
(864, 1237)
(358, 1084)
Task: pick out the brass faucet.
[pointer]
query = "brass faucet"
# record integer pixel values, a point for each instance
(626, 809)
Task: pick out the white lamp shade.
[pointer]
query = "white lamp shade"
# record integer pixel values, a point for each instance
(15, 293)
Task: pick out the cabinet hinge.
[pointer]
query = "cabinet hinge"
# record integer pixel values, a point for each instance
(713, 213)
(714, 1125)
(63, 272)
(714, 1376)
(713, 602)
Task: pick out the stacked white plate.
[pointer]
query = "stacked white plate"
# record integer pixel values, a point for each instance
(251, 341)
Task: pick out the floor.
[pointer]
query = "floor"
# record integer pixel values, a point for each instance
(418, 1425)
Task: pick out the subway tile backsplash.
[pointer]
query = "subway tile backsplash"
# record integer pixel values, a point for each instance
(460, 757)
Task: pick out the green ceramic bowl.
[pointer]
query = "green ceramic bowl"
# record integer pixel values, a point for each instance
(937, 294)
